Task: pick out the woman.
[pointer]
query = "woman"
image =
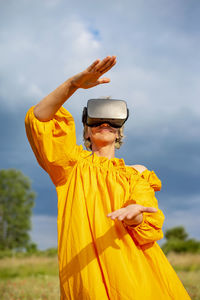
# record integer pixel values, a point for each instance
(108, 217)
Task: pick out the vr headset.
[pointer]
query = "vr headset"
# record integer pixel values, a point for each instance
(111, 111)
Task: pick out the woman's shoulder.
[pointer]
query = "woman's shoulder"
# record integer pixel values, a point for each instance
(139, 168)
(149, 176)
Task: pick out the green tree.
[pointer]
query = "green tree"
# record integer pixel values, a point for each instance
(16, 203)
(177, 241)
(177, 233)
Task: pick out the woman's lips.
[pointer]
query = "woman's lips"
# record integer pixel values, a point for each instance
(105, 128)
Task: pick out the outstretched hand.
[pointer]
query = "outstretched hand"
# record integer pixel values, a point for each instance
(91, 76)
(131, 214)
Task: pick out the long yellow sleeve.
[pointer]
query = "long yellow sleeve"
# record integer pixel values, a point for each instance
(150, 229)
(53, 143)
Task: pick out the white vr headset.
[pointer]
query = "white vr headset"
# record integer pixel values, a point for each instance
(111, 111)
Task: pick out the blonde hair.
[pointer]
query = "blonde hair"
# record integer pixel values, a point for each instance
(118, 141)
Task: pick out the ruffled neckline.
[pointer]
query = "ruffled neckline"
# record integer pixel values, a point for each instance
(119, 164)
(116, 162)
(104, 162)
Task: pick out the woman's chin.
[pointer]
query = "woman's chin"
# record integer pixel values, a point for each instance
(103, 142)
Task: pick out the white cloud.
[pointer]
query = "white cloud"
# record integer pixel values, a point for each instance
(153, 68)
(29, 65)
(84, 45)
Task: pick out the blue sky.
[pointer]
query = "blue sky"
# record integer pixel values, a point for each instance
(157, 44)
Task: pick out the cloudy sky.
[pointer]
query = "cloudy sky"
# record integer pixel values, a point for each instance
(157, 44)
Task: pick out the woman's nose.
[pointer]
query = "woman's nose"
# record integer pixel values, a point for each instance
(105, 125)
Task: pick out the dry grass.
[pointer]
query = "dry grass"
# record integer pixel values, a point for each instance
(36, 278)
(29, 278)
(191, 281)
(187, 266)
(31, 288)
(31, 260)
(185, 262)
(184, 259)
(27, 267)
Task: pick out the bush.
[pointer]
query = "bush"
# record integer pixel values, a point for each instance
(177, 242)
(51, 252)
(177, 233)
(6, 253)
(32, 248)
(178, 246)
(30, 251)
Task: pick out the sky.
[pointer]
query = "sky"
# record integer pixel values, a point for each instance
(157, 44)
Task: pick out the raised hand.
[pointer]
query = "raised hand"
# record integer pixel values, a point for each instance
(49, 105)
(131, 214)
(91, 76)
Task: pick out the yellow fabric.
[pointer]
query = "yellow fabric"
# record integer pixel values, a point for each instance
(99, 258)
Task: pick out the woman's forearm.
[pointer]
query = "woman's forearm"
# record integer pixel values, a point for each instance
(48, 106)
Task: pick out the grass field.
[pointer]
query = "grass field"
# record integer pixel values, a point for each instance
(36, 278)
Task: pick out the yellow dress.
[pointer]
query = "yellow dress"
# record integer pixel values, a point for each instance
(101, 259)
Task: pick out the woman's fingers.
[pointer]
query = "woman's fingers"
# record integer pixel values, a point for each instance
(115, 213)
(100, 66)
(91, 76)
(122, 213)
(108, 66)
(97, 64)
(102, 63)
(92, 66)
(149, 209)
(123, 216)
(130, 212)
